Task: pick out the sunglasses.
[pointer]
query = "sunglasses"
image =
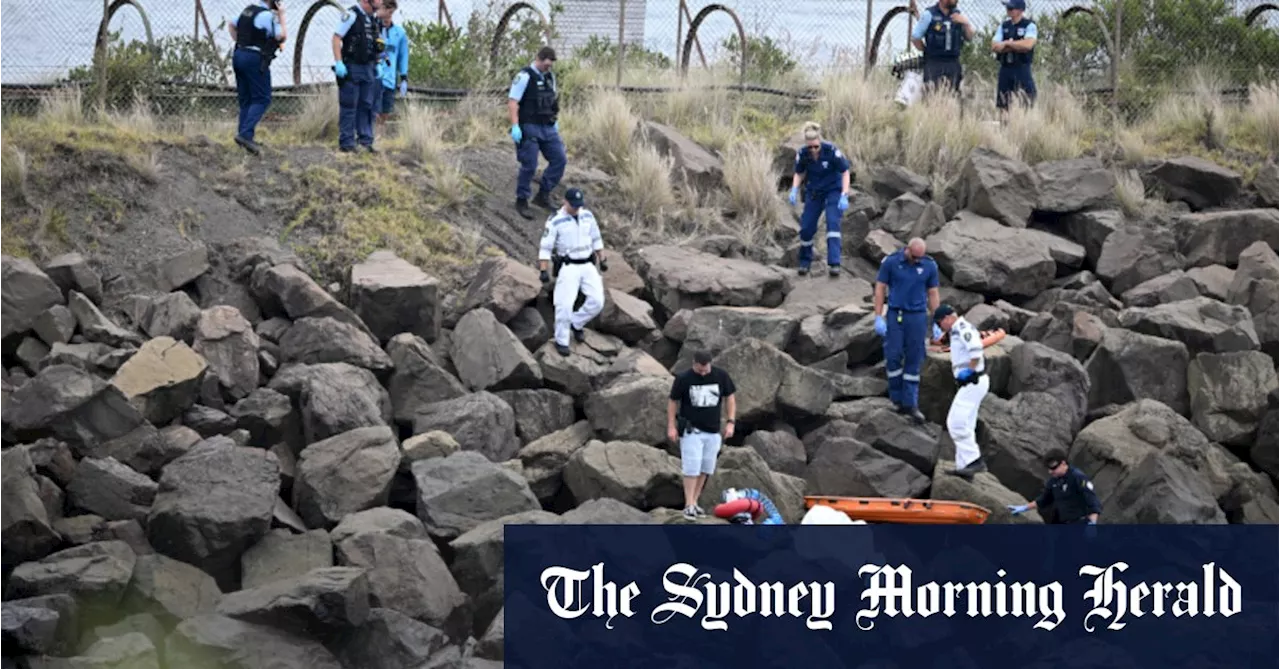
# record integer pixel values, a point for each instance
(1054, 466)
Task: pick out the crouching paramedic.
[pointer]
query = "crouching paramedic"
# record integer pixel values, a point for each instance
(1068, 490)
(572, 239)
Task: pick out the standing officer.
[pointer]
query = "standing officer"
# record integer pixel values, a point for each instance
(941, 35)
(572, 239)
(357, 46)
(534, 107)
(258, 33)
(969, 367)
(1069, 492)
(911, 280)
(826, 173)
(1014, 47)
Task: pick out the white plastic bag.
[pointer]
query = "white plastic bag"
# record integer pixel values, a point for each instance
(909, 91)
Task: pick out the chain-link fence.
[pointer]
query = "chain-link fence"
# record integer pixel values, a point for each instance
(176, 53)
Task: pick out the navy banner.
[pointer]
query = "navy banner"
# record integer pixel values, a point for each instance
(916, 597)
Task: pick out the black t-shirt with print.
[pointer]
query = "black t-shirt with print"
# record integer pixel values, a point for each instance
(700, 397)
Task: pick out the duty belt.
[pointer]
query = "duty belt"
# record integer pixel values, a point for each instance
(972, 379)
(578, 261)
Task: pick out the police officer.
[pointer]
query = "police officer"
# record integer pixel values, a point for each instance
(969, 367)
(572, 242)
(910, 279)
(826, 174)
(534, 106)
(357, 47)
(258, 33)
(941, 34)
(1014, 45)
(1068, 490)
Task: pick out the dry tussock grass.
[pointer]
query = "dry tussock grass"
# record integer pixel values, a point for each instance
(645, 183)
(607, 127)
(422, 130)
(752, 182)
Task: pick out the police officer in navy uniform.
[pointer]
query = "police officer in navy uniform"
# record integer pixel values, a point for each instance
(1014, 45)
(357, 48)
(258, 33)
(910, 279)
(826, 173)
(1068, 490)
(941, 34)
(534, 106)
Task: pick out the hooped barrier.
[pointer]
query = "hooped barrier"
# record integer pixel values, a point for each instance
(1257, 11)
(502, 29)
(880, 30)
(302, 34)
(101, 44)
(692, 37)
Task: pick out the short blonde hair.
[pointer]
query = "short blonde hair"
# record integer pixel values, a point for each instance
(812, 131)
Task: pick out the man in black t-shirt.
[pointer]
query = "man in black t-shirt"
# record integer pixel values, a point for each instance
(693, 420)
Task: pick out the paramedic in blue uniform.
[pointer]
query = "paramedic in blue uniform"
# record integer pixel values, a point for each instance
(1068, 490)
(826, 173)
(534, 106)
(908, 282)
(357, 47)
(258, 32)
(941, 34)
(394, 65)
(1014, 45)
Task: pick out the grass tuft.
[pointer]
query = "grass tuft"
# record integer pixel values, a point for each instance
(64, 106)
(423, 132)
(1131, 193)
(318, 119)
(1259, 125)
(645, 183)
(14, 169)
(752, 181)
(138, 120)
(607, 128)
(450, 183)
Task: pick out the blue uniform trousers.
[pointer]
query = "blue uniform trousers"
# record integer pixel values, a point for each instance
(545, 139)
(943, 73)
(355, 102)
(1014, 78)
(814, 205)
(253, 89)
(904, 354)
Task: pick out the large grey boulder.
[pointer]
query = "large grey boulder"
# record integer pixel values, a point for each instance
(1254, 286)
(27, 528)
(1218, 238)
(539, 412)
(632, 408)
(1076, 184)
(333, 598)
(72, 404)
(1195, 181)
(769, 383)
(1161, 490)
(96, 326)
(333, 398)
(998, 187)
(715, 329)
(1090, 229)
(313, 341)
(162, 379)
(1136, 253)
(982, 255)
(695, 165)
(1229, 394)
(479, 422)
(111, 490)
(1204, 324)
(170, 589)
(285, 290)
(391, 296)
(270, 418)
(848, 467)
(170, 315)
(26, 293)
(282, 554)
(502, 285)
(637, 474)
(625, 316)
(420, 377)
(71, 271)
(96, 574)
(683, 278)
(782, 451)
(985, 490)
(1019, 432)
(345, 473)
(1128, 366)
(217, 642)
(230, 346)
(489, 357)
(389, 639)
(544, 459)
(459, 492)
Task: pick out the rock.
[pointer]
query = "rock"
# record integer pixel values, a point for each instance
(900, 216)
(502, 286)
(111, 490)
(162, 379)
(71, 271)
(1017, 435)
(390, 640)
(284, 289)
(29, 630)
(1266, 452)
(209, 422)
(146, 449)
(891, 181)
(134, 650)
(331, 598)
(1172, 287)
(51, 458)
(1196, 181)
(1108, 449)
(633, 408)
(1128, 366)
(96, 574)
(173, 272)
(697, 166)
(828, 295)
(27, 292)
(1254, 286)
(419, 378)
(624, 316)
(170, 589)
(715, 329)
(848, 467)
(313, 341)
(215, 640)
(544, 459)
(139, 623)
(1068, 186)
(982, 255)
(95, 326)
(605, 511)
(459, 492)
(392, 296)
(491, 645)
(213, 503)
(1037, 368)
(539, 412)
(985, 490)
(55, 325)
(270, 418)
(489, 357)
(345, 473)
(76, 530)
(1229, 394)
(27, 528)
(637, 474)
(1091, 229)
(1134, 254)
(425, 446)
(770, 383)
(30, 353)
(781, 451)
(739, 467)
(479, 422)
(1205, 325)
(171, 315)
(877, 245)
(334, 398)
(1213, 281)
(1068, 254)
(1218, 238)
(281, 554)
(1160, 489)
(230, 346)
(72, 404)
(895, 435)
(406, 572)
(1266, 184)
(997, 187)
(478, 554)
(530, 328)
(682, 278)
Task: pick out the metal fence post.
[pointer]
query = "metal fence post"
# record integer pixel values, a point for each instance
(101, 56)
(1115, 63)
(866, 42)
(622, 40)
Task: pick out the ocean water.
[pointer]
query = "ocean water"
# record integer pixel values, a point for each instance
(41, 41)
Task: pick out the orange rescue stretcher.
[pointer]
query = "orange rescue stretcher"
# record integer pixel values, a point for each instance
(989, 338)
(903, 511)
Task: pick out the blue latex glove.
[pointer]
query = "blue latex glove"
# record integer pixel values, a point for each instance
(882, 326)
(965, 374)
(1019, 509)
(1093, 522)
(557, 126)
(404, 88)
(340, 69)
(844, 202)
(516, 133)
(793, 196)
(937, 332)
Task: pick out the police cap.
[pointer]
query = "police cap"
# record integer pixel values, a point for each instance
(1015, 4)
(574, 197)
(942, 312)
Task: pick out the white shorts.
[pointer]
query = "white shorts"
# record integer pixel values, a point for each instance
(698, 451)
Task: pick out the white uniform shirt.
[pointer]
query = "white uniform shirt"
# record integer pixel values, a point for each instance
(966, 345)
(569, 236)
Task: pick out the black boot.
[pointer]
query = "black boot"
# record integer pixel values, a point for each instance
(248, 145)
(913, 413)
(579, 335)
(522, 207)
(542, 200)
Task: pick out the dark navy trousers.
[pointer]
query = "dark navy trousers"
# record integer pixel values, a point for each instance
(253, 89)
(904, 354)
(355, 102)
(544, 139)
